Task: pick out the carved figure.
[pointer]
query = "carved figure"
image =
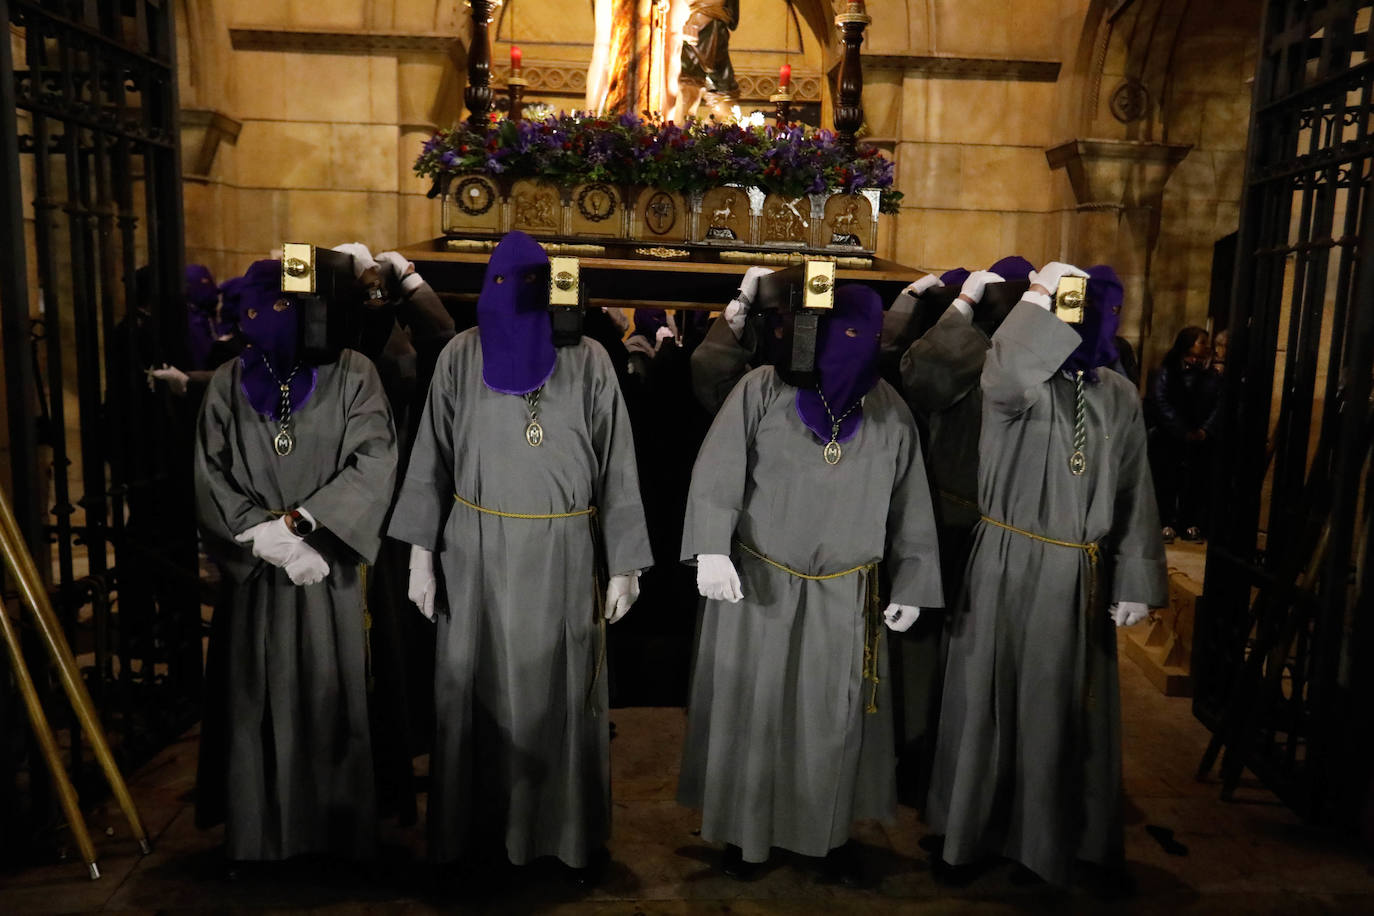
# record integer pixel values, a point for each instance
(725, 214)
(535, 209)
(847, 221)
(705, 65)
(784, 222)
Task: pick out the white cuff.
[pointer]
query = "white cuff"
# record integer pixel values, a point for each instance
(963, 308)
(305, 514)
(411, 282)
(1040, 299)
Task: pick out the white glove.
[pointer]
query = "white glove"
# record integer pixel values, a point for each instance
(738, 309)
(402, 269)
(717, 578)
(273, 542)
(174, 377)
(362, 258)
(307, 566)
(663, 333)
(420, 590)
(620, 594)
(972, 290)
(1049, 277)
(923, 285)
(1128, 613)
(900, 617)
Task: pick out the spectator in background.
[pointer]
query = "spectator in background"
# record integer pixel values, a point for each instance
(1182, 405)
(1220, 342)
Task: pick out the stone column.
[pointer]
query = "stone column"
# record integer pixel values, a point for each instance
(1118, 188)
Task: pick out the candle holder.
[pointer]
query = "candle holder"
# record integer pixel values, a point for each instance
(849, 112)
(478, 94)
(782, 105)
(515, 88)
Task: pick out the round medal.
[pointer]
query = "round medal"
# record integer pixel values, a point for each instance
(534, 434)
(832, 452)
(1078, 464)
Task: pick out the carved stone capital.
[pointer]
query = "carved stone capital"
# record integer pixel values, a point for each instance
(1115, 174)
(202, 131)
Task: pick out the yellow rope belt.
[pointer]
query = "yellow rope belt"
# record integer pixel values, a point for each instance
(873, 631)
(1092, 549)
(958, 500)
(1094, 552)
(590, 510)
(588, 513)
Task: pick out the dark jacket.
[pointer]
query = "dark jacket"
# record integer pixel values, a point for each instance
(1180, 400)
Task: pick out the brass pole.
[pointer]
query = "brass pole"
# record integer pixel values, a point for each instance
(31, 587)
(66, 792)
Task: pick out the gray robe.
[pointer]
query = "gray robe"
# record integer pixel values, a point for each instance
(1029, 756)
(940, 373)
(521, 757)
(779, 750)
(720, 361)
(300, 765)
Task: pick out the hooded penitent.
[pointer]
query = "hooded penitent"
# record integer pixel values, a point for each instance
(955, 277)
(202, 324)
(269, 320)
(1013, 267)
(1100, 321)
(847, 362)
(649, 321)
(999, 299)
(513, 320)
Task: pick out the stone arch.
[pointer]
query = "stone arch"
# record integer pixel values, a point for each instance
(1125, 54)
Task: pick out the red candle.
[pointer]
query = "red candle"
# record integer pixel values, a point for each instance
(784, 76)
(515, 57)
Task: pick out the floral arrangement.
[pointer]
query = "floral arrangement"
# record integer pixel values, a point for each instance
(570, 149)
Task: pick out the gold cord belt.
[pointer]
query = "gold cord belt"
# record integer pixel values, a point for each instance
(873, 631)
(588, 513)
(369, 675)
(958, 500)
(1092, 549)
(1094, 552)
(590, 510)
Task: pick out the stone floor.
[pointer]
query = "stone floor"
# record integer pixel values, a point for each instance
(1251, 855)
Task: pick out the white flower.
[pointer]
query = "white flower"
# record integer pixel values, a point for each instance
(753, 119)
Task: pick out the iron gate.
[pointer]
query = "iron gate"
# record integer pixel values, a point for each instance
(91, 199)
(1281, 655)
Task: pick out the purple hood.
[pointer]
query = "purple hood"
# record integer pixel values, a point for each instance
(1013, 267)
(513, 320)
(1101, 319)
(649, 321)
(202, 325)
(269, 321)
(847, 361)
(955, 277)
